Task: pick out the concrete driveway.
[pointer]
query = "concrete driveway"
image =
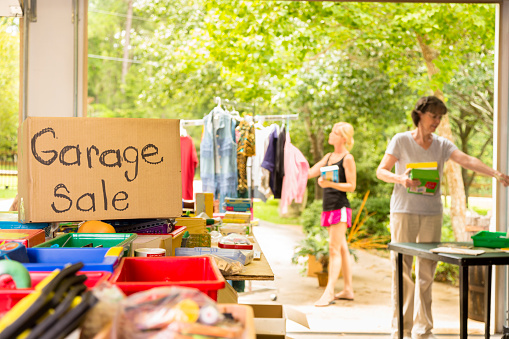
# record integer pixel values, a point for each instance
(368, 316)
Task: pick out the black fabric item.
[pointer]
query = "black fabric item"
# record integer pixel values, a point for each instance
(269, 160)
(332, 198)
(279, 171)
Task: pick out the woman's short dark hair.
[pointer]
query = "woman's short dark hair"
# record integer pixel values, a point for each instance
(428, 104)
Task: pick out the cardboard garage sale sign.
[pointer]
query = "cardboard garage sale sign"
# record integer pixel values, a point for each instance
(73, 169)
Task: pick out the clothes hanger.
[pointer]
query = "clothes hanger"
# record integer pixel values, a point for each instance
(183, 132)
(259, 123)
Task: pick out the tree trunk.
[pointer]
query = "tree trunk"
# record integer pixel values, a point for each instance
(452, 170)
(128, 25)
(316, 138)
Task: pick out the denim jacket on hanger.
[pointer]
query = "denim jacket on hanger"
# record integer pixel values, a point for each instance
(218, 156)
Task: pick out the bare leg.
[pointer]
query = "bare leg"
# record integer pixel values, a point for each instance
(337, 247)
(347, 292)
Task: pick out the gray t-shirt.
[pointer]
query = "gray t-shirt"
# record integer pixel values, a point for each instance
(406, 150)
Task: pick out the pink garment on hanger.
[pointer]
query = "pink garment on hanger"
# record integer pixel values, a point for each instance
(188, 161)
(296, 176)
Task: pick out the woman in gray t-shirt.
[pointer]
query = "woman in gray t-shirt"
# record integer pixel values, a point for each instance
(418, 217)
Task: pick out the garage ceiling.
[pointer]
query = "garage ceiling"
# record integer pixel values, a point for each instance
(11, 8)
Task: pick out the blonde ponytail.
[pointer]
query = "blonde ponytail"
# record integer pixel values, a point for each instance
(346, 131)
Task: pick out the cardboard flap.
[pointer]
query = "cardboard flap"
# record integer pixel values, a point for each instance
(267, 311)
(270, 326)
(296, 316)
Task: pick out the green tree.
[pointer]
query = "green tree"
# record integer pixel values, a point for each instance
(9, 86)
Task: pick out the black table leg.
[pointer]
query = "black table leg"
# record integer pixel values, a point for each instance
(399, 272)
(463, 301)
(487, 301)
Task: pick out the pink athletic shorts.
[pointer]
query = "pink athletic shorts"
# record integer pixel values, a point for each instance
(337, 216)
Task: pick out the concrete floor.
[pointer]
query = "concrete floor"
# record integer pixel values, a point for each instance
(369, 316)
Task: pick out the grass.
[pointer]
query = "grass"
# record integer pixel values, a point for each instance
(8, 182)
(480, 210)
(8, 194)
(269, 211)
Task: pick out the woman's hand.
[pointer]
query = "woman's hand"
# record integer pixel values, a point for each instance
(407, 182)
(502, 178)
(324, 183)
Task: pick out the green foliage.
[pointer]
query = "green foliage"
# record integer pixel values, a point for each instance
(316, 241)
(448, 273)
(378, 223)
(9, 86)
(327, 61)
(310, 218)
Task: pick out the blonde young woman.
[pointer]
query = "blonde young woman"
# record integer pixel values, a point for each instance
(337, 214)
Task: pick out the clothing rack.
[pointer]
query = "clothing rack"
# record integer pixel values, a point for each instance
(194, 122)
(276, 117)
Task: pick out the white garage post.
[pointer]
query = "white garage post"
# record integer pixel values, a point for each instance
(501, 150)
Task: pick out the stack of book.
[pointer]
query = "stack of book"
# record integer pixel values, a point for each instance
(237, 205)
(330, 173)
(427, 174)
(237, 217)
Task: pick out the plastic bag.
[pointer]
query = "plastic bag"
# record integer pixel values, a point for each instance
(215, 237)
(172, 312)
(101, 315)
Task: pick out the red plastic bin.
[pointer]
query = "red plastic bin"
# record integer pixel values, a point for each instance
(135, 274)
(10, 297)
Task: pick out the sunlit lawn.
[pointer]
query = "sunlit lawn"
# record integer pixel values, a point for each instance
(268, 211)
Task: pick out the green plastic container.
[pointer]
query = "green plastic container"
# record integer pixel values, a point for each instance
(96, 239)
(490, 239)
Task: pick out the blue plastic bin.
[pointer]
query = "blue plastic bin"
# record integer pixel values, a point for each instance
(9, 220)
(95, 259)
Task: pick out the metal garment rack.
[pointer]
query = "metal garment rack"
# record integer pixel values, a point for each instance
(282, 117)
(262, 118)
(195, 122)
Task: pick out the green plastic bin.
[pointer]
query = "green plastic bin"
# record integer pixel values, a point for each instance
(490, 239)
(82, 239)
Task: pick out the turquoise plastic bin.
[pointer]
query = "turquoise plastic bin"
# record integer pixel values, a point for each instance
(78, 240)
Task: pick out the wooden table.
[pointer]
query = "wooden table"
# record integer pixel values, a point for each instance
(422, 250)
(255, 270)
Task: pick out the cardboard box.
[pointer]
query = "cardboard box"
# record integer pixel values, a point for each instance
(205, 203)
(27, 237)
(227, 295)
(147, 241)
(73, 169)
(270, 320)
(168, 244)
(166, 241)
